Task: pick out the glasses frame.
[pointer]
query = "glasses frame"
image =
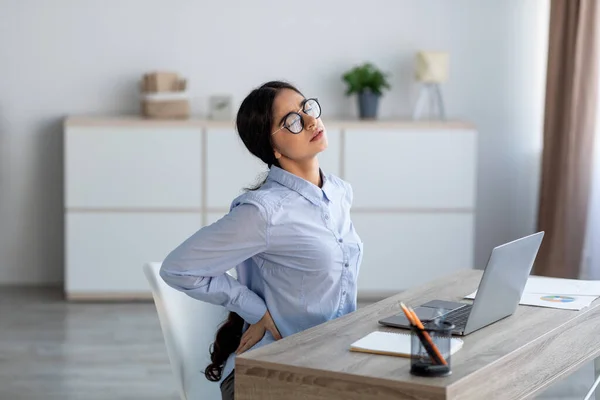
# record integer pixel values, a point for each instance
(303, 109)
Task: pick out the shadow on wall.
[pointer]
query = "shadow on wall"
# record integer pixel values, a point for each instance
(4, 190)
(3, 161)
(31, 202)
(49, 204)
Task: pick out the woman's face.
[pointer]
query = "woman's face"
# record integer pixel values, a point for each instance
(293, 111)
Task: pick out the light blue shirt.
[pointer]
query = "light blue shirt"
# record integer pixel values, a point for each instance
(293, 246)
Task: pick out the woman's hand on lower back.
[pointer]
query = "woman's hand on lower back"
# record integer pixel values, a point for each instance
(256, 332)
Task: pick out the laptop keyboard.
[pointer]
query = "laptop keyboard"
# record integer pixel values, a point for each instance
(459, 317)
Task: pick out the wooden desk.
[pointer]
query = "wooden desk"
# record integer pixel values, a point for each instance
(511, 359)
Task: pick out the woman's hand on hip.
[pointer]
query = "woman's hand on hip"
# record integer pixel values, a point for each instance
(255, 333)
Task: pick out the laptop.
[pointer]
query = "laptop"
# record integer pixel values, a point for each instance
(498, 294)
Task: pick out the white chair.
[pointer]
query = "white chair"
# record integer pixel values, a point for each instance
(594, 387)
(188, 326)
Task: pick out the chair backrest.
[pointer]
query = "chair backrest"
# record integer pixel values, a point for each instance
(188, 326)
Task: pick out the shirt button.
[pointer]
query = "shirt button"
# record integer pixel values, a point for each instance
(347, 265)
(326, 216)
(344, 293)
(340, 240)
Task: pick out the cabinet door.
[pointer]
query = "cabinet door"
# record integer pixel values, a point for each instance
(105, 251)
(402, 251)
(133, 167)
(230, 167)
(330, 160)
(411, 169)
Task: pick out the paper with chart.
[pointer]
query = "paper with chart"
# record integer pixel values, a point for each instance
(567, 294)
(550, 300)
(574, 287)
(557, 301)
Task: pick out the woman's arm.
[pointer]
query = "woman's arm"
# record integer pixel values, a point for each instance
(198, 267)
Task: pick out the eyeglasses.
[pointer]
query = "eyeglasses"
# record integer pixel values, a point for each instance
(294, 122)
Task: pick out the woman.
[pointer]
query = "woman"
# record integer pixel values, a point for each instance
(291, 240)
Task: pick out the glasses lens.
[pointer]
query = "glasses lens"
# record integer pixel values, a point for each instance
(294, 123)
(312, 108)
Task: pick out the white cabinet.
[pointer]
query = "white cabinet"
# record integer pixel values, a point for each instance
(411, 169)
(132, 193)
(414, 203)
(405, 249)
(136, 188)
(230, 168)
(330, 159)
(132, 167)
(107, 249)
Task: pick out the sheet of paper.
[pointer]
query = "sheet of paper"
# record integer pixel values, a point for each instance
(567, 287)
(542, 284)
(557, 301)
(551, 300)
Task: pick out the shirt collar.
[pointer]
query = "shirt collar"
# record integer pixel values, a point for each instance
(327, 187)
(303, 187)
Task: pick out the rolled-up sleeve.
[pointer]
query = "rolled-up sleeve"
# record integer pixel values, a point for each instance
(198, 266)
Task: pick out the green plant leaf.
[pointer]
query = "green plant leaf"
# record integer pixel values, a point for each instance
(365, 77)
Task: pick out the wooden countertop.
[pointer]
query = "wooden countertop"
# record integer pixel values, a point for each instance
(510, 359)
(138, 121)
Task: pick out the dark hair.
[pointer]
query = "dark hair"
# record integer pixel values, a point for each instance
(254, 123)
(226, 342)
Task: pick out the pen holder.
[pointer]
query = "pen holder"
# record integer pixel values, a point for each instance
(430, 349)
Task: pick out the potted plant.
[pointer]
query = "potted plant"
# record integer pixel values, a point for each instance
(368, 82)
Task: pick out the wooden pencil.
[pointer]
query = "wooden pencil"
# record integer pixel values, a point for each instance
(428, 343)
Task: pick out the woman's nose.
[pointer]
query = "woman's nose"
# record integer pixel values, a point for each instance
(310, 122)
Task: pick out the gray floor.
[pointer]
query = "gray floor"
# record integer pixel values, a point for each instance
(50, 349)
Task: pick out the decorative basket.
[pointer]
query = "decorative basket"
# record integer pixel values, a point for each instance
(164, 96)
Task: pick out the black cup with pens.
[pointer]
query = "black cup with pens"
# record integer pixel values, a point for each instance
(430, 345)
(430, 349)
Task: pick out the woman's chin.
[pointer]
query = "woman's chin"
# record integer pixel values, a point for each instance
(320, 149)
(322, 144)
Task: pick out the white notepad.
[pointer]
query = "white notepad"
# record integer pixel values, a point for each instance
(392, 344)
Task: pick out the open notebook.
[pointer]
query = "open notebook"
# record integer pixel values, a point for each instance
(392, 344)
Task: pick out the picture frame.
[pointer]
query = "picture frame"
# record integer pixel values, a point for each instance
(220, 107)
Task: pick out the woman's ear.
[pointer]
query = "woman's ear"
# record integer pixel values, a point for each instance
(276, 153)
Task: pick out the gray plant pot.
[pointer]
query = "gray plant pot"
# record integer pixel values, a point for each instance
(368, 103)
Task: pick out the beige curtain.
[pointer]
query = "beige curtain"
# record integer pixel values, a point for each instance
(569, 127)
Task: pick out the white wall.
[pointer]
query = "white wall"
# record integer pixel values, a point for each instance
(84, 57)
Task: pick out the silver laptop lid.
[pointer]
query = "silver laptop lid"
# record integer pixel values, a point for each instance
(503, 281)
